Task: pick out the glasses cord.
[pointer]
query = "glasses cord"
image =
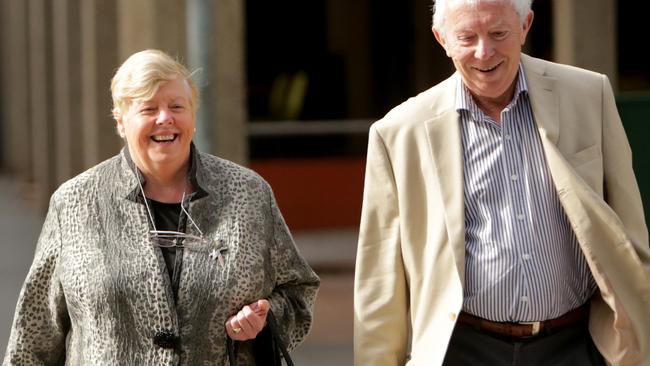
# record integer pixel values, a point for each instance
(183, 210)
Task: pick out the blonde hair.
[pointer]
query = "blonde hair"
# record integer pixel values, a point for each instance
(142, 74)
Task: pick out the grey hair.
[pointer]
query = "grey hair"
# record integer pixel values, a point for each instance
(440, 7)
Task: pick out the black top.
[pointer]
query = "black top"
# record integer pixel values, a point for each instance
(166, 216)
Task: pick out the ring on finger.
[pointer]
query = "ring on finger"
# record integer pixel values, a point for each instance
(236, 330)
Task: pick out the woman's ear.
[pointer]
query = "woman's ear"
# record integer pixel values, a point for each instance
(119, 125)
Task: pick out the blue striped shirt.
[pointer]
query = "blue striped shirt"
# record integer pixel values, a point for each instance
(523, 261)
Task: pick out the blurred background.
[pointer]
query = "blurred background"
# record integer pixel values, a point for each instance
(289, 88)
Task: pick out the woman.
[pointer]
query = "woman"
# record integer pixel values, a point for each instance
(156, 255)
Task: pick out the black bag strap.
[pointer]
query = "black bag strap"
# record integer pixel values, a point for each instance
(276, 332)
(230, 344)
(276, 340)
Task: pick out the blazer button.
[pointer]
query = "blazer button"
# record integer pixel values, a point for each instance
(165, 339)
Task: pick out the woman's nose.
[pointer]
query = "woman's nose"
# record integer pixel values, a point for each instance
(164, 117)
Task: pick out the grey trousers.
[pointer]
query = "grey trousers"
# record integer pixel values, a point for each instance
(570, 346)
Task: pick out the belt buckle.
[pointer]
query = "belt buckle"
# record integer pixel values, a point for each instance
(536, 327)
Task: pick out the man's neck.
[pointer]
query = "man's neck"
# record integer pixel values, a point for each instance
(494, 106)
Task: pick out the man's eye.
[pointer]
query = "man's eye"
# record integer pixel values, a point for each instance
(465, 39)
(500, 34)
(148, 110)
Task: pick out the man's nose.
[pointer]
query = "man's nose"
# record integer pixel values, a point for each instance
(484, 49)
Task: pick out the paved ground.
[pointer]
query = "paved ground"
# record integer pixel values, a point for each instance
(331, 253)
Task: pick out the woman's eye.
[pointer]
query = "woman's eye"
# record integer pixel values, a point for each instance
(148, 110)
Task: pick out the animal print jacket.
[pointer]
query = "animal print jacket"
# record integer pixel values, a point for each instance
(98, 292)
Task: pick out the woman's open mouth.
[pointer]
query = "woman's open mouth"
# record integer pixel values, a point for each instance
(164, 139)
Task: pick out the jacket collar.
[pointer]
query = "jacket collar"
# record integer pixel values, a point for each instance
(196, 175)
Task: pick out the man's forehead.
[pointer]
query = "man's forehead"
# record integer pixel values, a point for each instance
(470, 17)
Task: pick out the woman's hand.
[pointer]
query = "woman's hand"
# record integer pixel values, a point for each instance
(249, 321)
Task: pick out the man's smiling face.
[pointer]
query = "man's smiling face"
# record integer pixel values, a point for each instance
(484, 41)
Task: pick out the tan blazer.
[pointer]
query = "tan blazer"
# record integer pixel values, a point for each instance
(411, 254)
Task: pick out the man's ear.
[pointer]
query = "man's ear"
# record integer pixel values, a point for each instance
(441, 40)
(528, 22)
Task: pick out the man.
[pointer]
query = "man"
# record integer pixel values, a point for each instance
(502, 223)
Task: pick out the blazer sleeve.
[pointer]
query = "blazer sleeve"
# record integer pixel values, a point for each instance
(41, 320)
(380, 288)
(621, 191)
(296, 284)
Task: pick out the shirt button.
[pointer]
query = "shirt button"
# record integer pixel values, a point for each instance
(524, 298)
(508, 137)
(514, 177)
(520, 217)
(526, 256)
(452, 316)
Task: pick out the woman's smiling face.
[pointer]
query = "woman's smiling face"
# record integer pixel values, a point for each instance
(159, 131)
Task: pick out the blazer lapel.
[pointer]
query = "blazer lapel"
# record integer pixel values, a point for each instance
(543, 98)
(445, 143)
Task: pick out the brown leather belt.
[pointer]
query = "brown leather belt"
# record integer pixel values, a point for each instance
(525, 329)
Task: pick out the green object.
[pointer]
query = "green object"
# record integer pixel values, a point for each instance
(634, 109)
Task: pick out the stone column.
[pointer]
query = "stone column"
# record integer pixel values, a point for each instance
(67, 118)
(229, 133)
(147, 24)
(348, 31)
(223, 116)
(99, 59)
(16, 150)
(584, 35)
(40, 86)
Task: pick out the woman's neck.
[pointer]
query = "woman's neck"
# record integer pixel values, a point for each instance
(167, 188)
